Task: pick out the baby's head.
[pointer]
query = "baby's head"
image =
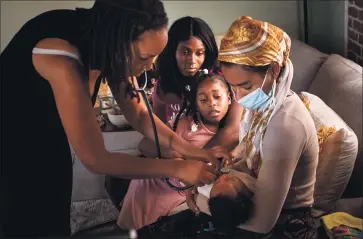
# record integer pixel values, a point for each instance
(230, 201)
(211, 98)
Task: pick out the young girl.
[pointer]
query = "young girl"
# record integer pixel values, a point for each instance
(148, 199)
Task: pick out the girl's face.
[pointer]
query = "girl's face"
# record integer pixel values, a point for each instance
(190, 56)
(213, 100)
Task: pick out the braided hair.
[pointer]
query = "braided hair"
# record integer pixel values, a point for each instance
(111, 27)
(192, 108)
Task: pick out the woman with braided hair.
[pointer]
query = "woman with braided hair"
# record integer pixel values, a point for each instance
(57, 61)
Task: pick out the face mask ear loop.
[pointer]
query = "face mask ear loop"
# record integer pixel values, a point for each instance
(264, 79)
(274, 93)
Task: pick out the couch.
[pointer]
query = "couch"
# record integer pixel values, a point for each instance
(336, 80)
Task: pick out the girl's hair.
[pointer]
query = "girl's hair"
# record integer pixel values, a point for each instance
(111, 27)
(192, 108)
(170, 79)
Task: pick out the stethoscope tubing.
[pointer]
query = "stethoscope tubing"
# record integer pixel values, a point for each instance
(157, 143)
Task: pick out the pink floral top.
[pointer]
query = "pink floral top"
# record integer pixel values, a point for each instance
(165, 106)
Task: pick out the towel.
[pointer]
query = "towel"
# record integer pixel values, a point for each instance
(342, 225)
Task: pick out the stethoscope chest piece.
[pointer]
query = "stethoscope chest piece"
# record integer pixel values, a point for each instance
(224, 170)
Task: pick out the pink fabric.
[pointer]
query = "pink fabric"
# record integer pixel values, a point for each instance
(148, 199)
(165, 106)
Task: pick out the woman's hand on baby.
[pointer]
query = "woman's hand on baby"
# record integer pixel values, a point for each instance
(223, 153)
(196, 172)
(190, 198)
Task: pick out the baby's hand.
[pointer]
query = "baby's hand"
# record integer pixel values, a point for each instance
(190, 197)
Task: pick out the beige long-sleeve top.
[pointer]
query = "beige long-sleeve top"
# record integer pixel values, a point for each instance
(287, 175)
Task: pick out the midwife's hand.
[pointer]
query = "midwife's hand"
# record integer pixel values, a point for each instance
(190, 197)
(222, 153)
(203, 155)
(170, 154)
(196, 172)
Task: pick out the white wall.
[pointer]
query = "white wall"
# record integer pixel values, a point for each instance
(219, 14)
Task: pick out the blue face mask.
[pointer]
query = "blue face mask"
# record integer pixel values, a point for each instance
(257, 99)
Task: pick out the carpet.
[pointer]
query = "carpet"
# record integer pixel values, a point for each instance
(96, 216)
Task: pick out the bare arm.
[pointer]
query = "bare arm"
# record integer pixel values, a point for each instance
(148, 149)
(79, 121)
(278, 167)
(228, 135)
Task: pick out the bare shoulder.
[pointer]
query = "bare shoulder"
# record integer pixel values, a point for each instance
(50, 66)
(57, 44)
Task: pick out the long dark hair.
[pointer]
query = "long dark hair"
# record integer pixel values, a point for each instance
(192, 108)
(170, 79)
(113, 25)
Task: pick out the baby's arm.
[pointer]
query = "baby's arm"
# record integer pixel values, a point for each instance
(191, 195)
(197, 202)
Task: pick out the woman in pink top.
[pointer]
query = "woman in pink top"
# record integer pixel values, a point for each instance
(148, 199)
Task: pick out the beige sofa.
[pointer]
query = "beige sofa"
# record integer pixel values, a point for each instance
(336, 80)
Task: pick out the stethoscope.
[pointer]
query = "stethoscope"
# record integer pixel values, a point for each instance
(157, 144)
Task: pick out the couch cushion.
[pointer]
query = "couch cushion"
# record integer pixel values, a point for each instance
(338, 151)
(339, 84)
(307, 61)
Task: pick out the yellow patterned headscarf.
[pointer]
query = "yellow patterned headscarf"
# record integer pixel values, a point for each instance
(254, 43)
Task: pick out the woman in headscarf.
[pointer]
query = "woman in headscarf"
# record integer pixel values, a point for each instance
(278, 140)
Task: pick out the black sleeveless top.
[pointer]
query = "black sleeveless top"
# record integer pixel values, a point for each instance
(28, 105)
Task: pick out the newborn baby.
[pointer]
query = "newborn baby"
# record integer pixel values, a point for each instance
(230, 198)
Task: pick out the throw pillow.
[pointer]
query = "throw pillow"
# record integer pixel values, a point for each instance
(338, 151)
